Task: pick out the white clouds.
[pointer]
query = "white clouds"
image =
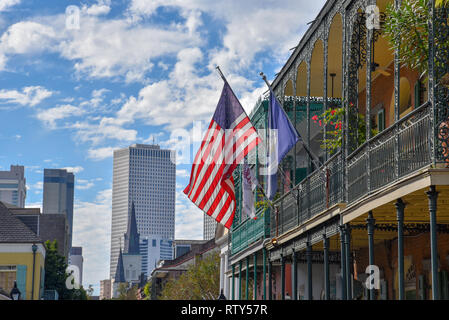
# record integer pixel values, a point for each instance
(92, 220)
(111, 48)
(182, 173)
(6, 4)
(26, 37)
(102, 7)
(189, 219)
(49, 116)
(100, 153)
(74, 170)
(29, 96)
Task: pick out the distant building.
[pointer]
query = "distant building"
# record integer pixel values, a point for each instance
(144, 175)
(209, 226)
(22, 257)
(153, 249)
(13, 186)
(132, 261)
(58, 195)
(105, 289)
(119, 278)
(76, 259)
(182, 247)
(173, 269)
(47, 227)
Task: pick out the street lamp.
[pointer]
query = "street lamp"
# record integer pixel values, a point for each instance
(15, 292)
(221, 296)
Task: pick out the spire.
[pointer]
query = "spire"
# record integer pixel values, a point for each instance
(132, 236)
(120, 271)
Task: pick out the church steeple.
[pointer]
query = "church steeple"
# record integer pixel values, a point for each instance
(132, 237)
(120, 271)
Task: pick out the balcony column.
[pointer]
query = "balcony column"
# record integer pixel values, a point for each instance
(295, 150)
(255, 276)
(348, 262)
(343, 262)
(264, 252)
(247, 279)
(400, 207)
(282, 278)
(309, 169)
(270, 280)
(397, 81)
(369, 48)
(309, 272)
(433, 198)
(325, 90)
(294, 276)
(327, 291)
(240, 280)
(370, 224)
(233, 282)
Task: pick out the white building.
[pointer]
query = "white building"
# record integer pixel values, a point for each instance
(13, 186)
(76, 259)
(145, 175)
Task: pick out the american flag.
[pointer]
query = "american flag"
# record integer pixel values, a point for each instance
(229, 138)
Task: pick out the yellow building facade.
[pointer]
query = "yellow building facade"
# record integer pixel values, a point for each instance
(17, 262)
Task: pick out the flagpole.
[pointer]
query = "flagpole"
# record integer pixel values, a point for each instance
(314, 158)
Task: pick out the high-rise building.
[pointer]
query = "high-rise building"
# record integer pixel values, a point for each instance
(76, 259)
(58, 195)
(209, 226)
(144, 175)
(13, 186)
(105, 289)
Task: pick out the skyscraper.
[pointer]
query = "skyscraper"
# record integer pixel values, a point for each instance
(209, 226)
(13, 186)
(76, 259)
(58, 196)
(144, 175)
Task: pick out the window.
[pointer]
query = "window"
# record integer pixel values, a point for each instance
(7, 277)
(381, 120)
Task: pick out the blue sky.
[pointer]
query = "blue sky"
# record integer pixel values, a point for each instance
(129, 72)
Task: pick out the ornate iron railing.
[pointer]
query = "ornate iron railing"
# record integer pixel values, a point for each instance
(250, 231)
(410, 136)
(319, 191)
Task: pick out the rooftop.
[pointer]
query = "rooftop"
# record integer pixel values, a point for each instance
(12, 230)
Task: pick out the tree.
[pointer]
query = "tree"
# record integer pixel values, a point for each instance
(200, 282)
(127, 293)
(56, 276)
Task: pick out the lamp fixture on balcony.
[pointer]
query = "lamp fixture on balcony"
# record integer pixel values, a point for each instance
(274, 241)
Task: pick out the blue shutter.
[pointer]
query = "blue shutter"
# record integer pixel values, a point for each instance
(21, 279)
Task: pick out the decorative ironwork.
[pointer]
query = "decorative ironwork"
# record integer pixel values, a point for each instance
(441, 83)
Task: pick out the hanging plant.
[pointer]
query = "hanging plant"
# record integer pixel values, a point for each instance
(407, 30)
(332, 119)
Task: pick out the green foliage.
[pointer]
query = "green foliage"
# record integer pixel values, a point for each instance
(200, 282)
(147, 291)
(407, 31)
(333, 119)
(127, 293)
(56, 276)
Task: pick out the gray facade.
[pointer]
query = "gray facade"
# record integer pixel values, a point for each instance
(145, 175)
(58, 195)
(47, 227)
(209, 226)
(13, 186)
